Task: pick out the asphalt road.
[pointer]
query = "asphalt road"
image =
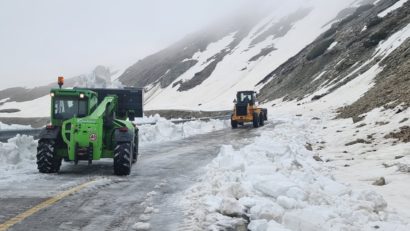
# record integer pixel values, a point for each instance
(152, 192)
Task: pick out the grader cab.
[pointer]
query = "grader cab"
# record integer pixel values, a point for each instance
(247, 111)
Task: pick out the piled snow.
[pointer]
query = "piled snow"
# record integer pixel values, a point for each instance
(141, 226)
(165, 130)
(394, 7)
(278, 185)
(13, 126)
(18, 152)
(376, 157)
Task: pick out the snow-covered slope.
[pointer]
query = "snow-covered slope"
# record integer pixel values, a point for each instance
(286, 30)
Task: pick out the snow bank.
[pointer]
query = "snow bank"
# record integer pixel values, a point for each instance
(18, 152)
(279, 186)
(165, 130)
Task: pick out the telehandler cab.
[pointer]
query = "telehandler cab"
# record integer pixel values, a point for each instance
(246, 110)
(90, 124)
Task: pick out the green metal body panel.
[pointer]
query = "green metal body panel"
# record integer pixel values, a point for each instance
(95, 130)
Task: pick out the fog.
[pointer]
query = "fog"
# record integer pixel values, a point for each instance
(43, 39)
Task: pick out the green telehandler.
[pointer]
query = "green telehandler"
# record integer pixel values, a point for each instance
(90, 124)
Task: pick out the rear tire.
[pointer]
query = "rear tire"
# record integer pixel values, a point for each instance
(255, 120)
(122, 159)
(47, 159)
(261, 119)
(135, 150)
(234, 123)
(265, 114)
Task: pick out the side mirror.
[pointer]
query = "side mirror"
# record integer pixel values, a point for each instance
(234, 101)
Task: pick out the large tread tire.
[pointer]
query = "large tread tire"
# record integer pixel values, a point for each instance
(255, 120)
(135, 150)
(234, 123)
(261, 119)
(47, 159)
(122, 159)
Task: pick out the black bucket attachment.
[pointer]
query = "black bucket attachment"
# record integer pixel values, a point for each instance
(130, 100)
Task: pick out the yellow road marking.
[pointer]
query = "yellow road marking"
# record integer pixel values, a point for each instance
(9, 223)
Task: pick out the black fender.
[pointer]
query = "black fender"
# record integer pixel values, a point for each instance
(120, 136)
(49, 133)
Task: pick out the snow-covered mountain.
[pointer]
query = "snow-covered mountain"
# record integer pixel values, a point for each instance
(35, 102)
(281, 52)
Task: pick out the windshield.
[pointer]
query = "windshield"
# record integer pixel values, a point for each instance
(67, 108)
(245, 97)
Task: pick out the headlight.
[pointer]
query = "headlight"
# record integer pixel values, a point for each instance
(81, 96)
(52, 94)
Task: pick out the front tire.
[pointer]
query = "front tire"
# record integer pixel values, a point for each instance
(261, 119)
(47, 159)
(122, 159)
(255, 120)
(234, 123)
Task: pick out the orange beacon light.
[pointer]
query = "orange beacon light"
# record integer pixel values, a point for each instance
(60, 81)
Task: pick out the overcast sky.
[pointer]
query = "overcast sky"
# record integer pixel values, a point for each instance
(41, 39)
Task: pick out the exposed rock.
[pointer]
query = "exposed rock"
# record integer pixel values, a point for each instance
(317, 158)
(358, 141)
(402, 135)
(358, 118)
(404, 120)
(402, 167)
(380, 182)
(309, 147)
(361, 125)
(381, 123)
(387, 165)
(262, 53)
(317, 97)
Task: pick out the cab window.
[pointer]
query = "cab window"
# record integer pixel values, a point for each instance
(67, 108)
